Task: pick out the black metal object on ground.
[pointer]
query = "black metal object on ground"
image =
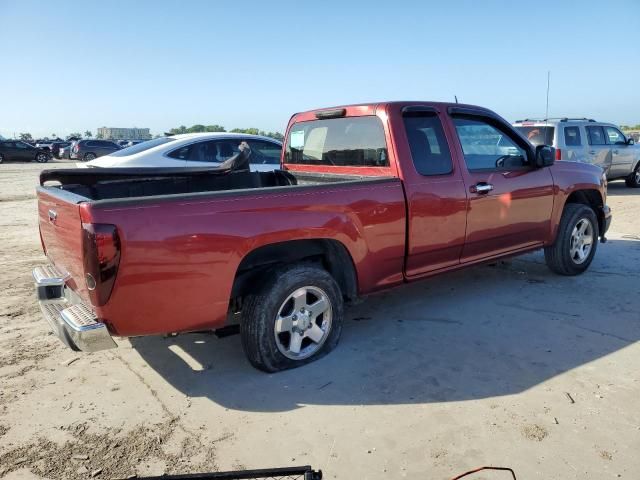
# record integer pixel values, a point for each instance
(287, 473)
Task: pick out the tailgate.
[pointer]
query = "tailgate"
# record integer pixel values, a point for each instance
(61, 232)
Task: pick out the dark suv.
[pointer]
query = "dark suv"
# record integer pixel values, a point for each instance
(89, 149)
(19, 150)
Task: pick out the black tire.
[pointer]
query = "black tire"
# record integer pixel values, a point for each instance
(260, 310)
(633, 180)
(558, 256)
(89, 156)
(42, 157)
(1, 158)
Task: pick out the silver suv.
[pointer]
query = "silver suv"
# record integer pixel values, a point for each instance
(585, 140)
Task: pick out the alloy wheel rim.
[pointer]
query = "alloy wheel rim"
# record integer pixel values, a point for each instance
(637, 176)
(41, 157)
(581, 241)
(303, 322)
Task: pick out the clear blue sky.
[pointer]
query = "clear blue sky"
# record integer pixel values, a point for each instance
(71, 66)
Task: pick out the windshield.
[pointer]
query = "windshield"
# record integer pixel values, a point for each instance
(537, 135)
(141, 147)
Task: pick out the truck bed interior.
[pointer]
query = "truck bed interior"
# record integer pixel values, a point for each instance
(120, 183)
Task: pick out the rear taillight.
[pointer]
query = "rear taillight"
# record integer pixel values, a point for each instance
(558, 154)
(75, 148)
(101, 251)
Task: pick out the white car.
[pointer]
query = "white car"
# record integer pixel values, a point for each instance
(193, 150)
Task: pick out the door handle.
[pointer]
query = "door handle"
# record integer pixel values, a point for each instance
(615, 151)
(481, 188)
(592, 152)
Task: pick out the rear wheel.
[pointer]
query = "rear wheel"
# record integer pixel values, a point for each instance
(294, 319)
(576, 242)
(633, 180)
(89, 156)
(42, 157)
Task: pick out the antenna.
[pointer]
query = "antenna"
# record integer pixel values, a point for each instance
(456, 97)
(546, 113)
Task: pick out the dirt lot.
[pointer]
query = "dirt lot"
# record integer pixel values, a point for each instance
(507, 365)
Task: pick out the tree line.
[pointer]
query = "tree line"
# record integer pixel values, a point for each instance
(27, 137)
(630, 127)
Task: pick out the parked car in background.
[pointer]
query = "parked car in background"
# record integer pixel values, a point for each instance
(22, 151)
(64, 152)
(89, 149)
(195, 150)
(56, 146)
(369, 197)
(588, 141)
(44, 145)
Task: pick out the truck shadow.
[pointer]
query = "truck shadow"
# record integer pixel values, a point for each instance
(484, 332)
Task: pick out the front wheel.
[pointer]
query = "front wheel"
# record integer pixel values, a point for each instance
(633, 180)
(42, 157)
(576, 241)
(295, 318)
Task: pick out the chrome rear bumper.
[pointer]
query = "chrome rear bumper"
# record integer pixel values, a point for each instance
(73, 322)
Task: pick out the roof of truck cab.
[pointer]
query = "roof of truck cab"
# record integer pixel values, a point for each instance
(370, 108)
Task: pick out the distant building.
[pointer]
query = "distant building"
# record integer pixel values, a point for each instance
(124, 133)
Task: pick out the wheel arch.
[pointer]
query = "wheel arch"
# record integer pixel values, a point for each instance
(592, 198)
(331, 254)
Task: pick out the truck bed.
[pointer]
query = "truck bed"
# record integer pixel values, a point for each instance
(126, 183)
(186, 233)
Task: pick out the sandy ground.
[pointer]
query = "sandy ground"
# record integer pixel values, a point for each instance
(507, 365)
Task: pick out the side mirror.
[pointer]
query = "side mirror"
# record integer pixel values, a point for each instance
(545, 156)
(630, 141)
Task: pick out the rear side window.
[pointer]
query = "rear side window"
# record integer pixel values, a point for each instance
(265, 153)
(429, 148)
(348, 142)
(537, 135)
(572, 136)
(595, 135)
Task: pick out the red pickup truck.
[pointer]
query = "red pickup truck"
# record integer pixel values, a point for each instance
(368, 197)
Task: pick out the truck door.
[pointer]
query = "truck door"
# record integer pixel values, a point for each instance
(623, 155)
(599, 152)
(435, 192)
(510, 200)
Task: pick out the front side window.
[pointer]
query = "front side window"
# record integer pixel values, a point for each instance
(22, 145)
(595, 135)
(485, 147)
(428, 145)
(344, 142)
(210, 151)
(264, 152)
(572, 136)
(614, 136)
